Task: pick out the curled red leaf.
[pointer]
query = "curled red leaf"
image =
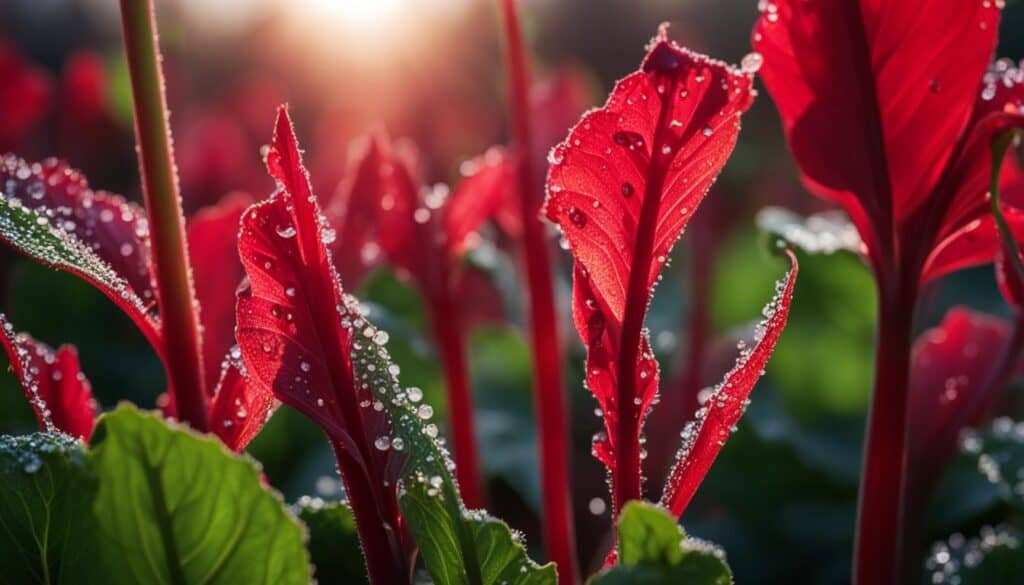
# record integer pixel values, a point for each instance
(54, 385)
(296, 334)
(704, 437)
(622, 187)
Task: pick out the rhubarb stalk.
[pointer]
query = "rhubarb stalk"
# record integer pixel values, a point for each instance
(880, 516)
(175, 293)
(549, 399)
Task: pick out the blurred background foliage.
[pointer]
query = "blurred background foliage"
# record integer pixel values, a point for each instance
(781, 498)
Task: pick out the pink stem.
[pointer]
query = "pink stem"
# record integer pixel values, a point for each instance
(173, 275)
(545, 342)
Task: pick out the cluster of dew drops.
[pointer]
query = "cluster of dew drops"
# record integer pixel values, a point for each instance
(67, 249)
(996, 464)
(951, 557)
(1004, 74)
(26, 452)
(24, 348)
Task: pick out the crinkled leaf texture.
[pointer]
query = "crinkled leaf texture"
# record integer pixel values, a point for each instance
(156, 504)
(59, 394)
(654, 550)
(308, 343)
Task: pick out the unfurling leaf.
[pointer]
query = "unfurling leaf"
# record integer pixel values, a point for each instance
(655, 551)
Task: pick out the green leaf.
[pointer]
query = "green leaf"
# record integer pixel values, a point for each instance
(333, 541)
(178, 508)
(457, 546)
(148, 503)
(654, 550)
(46, 527)
(994, 557)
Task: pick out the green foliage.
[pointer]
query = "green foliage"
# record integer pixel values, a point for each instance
(45, 492)
(333, 541)
(654, 550)
(148, 503)
(457, 545)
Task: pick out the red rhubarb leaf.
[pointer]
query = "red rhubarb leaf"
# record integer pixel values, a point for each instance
(217, 272)
(296, 337)
(622, 187)
(968, 236)
(354, 210)
(704, 437)
(895, 79)
(50, 215)
(54, 385)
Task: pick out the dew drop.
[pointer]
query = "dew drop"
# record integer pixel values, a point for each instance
(751, 62)
(577, 217)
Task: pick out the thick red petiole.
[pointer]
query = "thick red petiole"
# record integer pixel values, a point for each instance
(173, 276)
(545, 341)
(881, 509)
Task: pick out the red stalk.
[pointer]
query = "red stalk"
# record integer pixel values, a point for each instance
(381, 549)
(449, 335)
(626, 480)
(545, 342)
(173, 275)
(878, 552)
